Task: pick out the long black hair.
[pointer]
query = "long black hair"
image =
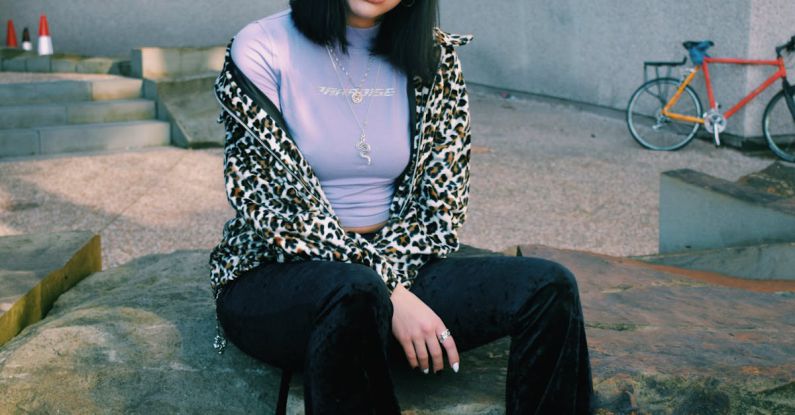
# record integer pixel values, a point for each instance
(405, 36)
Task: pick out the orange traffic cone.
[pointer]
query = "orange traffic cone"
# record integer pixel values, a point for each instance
(45, 41)
(26, 44)
(11, 36)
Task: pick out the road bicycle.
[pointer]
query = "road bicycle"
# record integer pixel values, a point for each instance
(665, 113)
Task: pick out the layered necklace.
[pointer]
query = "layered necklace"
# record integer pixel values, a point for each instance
(356, 98)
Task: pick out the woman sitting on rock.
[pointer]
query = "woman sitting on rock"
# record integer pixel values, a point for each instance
(346, 158)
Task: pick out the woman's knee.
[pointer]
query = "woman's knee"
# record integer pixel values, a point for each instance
(358, 284)
(553, 275)
(564, 279)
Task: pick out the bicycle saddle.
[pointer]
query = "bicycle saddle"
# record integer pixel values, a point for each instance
(698, 49)
(702, 45)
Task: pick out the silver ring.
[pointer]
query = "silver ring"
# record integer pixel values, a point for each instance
(444, 335)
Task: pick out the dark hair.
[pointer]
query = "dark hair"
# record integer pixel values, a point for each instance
(405, 36)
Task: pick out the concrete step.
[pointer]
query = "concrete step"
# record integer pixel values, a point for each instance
(84, 137)
(82, 112)
(30, 61)
(699, 211)
(188, 103)
(48, 92)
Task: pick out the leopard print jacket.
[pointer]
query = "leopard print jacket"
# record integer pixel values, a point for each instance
(282, 213)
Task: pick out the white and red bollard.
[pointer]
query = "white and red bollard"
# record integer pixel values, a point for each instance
(45, 41)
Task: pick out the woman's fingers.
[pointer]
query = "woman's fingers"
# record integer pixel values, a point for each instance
(452, 352)
(422, 353)
(408, 349)
(436, 352)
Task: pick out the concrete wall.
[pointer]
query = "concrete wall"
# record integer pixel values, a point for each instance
(593, 51)
(115, 27)
(587, 51)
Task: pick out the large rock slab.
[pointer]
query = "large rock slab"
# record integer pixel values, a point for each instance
(673, 341)
(138, 338)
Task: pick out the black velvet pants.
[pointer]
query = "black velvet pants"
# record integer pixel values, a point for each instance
(333, 321)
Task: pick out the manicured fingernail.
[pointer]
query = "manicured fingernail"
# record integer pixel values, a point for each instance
(455, 367)
(426, 370)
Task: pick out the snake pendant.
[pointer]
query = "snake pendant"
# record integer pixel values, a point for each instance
(364, 149)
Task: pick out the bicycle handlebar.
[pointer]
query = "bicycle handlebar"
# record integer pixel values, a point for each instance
(789, 47)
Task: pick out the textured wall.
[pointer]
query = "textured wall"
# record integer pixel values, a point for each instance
(588, 51)
(113, 27)
(593, 51)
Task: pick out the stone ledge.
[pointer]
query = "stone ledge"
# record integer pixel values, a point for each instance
(36, 269)
(187, 102)
(727, 188)
(157, 62)
(757, 262)
(698, 211)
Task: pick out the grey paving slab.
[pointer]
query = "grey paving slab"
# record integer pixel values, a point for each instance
(110, 111)
(93, 190)
(122, 88)
(39, 64)
(27, 116)
(81, 112)
(98, 65)
(44, 92)
(51, 90)
(19, 142)
(106, 136)
(64, 64)
(9, 77)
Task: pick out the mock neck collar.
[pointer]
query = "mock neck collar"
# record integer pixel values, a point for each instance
(361, 37)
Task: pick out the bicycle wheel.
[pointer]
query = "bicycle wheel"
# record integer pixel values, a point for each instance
(653, 130)
(778, 126)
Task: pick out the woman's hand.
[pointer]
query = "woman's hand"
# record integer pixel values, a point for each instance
(417, 328)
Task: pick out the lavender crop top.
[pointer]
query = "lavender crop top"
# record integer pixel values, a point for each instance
(298, 76)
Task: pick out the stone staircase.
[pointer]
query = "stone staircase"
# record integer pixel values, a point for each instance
(87, 115)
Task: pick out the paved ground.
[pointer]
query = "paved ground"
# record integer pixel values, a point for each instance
(542, 173)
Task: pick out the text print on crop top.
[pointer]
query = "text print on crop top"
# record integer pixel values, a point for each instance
(300, 79)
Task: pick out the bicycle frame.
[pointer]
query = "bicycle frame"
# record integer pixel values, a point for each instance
(781, 73)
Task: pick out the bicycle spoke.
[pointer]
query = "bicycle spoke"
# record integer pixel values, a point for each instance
(659, 97)
(654, 130)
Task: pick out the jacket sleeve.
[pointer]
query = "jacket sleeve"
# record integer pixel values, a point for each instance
(432, 220)
(264, 194)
